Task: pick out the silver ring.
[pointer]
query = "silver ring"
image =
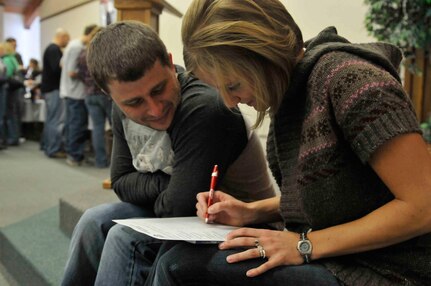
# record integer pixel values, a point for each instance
(262, 252)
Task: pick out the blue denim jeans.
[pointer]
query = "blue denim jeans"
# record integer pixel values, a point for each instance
(13, 115)
(88, 241)
(3, 103)
(187, 264)
(127, 258)
(54, 123)
(99, 107)
(77, 127)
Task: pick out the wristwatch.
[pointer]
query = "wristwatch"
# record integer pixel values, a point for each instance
(304, 247)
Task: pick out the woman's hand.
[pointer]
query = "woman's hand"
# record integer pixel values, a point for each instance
(279, 248)
(225, 209)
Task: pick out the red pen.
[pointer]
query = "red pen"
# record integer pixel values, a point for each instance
(214, 176)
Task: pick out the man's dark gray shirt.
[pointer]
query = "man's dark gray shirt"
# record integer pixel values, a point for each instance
(203, 133)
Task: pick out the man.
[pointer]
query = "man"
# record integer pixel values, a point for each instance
(3, 99)
(169, 131)
(52, 138)
(18, 56)
(73, 90)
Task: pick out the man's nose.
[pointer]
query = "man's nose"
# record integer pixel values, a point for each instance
(155, 108)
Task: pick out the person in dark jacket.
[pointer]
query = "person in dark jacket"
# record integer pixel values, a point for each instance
(52, 138)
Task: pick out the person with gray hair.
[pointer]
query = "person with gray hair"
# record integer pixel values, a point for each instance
(169, 130)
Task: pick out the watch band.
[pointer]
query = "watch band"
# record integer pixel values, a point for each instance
(306, 256)
(305, 247)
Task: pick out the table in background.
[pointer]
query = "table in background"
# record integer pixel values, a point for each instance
(33, 114)
(33, 111)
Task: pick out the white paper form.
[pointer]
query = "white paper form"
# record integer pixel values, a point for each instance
(191, 229)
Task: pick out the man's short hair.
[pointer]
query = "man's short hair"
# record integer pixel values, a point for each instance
(124, 51)
(11, 40)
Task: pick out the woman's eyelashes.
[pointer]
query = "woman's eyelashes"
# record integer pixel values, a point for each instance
(233, 86)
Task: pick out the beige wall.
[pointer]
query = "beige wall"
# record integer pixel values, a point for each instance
(170, 30)
(314, 15)
(74, 21)
(52, 7)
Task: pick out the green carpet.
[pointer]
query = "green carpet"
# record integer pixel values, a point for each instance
(36, 249)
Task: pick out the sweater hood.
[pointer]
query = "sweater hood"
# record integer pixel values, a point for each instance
(385, 55)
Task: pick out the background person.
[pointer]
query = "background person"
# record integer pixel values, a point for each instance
(3, 98)
(13, 93)
(52, 138)
(17, 55)
(33, 78)
(72, 89)
(99, 106)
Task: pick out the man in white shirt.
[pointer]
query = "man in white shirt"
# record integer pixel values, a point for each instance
(72, 89)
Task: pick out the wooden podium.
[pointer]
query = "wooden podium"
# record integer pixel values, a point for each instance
(146, 11)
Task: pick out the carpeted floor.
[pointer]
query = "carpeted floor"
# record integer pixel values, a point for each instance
(31, 183)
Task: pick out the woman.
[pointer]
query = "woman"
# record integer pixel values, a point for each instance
(344, 146)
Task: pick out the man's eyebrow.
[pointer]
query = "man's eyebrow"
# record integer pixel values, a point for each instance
(159, 85)
(130, 100)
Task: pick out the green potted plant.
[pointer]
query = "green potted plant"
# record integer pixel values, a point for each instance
(405, 23)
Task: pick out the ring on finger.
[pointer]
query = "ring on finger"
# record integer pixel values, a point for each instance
(262, 252)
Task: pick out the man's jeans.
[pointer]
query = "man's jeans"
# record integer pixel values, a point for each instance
(127, 257)
(77, 126)
(99, 107)
(13, 115)
(88, 242)
(54, 123)
(186, 264)
(3, 102)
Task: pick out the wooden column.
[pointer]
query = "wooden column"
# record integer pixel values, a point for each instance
(146, 11)
(418, 86)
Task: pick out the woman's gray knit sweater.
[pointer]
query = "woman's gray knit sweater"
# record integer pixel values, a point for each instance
(344, 101)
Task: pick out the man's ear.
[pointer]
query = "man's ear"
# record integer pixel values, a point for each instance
(171, 62)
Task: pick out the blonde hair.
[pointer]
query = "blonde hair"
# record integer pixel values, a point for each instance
(8, 48)
(254, 40)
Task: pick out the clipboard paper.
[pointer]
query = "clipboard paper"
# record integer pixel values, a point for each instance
(190, 229)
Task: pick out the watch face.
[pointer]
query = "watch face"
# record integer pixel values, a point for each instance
(304, 247)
